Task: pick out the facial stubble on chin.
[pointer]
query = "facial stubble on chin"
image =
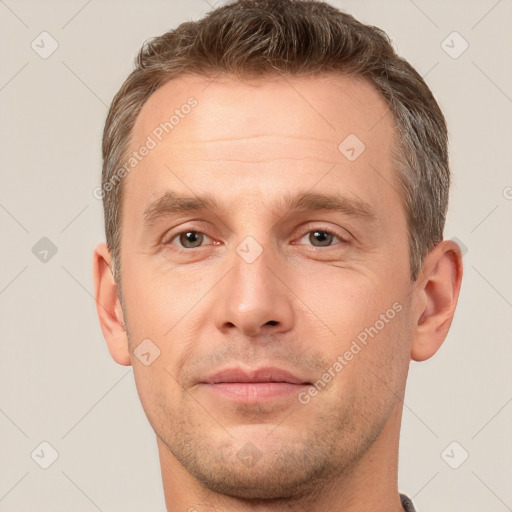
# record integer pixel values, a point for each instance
(289, 467)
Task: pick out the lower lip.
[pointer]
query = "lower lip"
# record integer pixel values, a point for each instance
(255, 391)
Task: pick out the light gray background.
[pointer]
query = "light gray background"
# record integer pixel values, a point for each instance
(57, 381)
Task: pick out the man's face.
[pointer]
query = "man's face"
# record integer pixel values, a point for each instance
(324, 294)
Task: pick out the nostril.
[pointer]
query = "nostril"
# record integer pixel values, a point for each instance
(272, 322)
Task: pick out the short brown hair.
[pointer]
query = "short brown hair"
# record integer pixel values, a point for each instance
(296, 37)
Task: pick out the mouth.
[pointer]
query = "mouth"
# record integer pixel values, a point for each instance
(255, 385)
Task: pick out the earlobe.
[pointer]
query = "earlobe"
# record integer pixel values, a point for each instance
(436, 298)
(108, 306)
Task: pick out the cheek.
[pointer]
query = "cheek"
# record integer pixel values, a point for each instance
(160, 301)
(164, 314)
(385, 343)
(375, 364)
(158, 393)
(349, 302)
(369, 334)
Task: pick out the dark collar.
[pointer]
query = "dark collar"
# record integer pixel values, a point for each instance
(407, 503)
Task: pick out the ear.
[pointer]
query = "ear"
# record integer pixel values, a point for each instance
(436, 296)
(108, 306)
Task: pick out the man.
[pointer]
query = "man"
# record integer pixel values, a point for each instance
(275, 187)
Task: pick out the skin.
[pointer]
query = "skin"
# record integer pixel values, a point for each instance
(298, 306)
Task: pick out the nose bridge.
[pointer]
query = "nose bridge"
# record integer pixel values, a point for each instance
(254, 250)
(252, 277)
(253, 300)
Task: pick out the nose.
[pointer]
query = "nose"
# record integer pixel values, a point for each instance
(253, 299)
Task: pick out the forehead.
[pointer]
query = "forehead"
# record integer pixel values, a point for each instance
(269, 133)
(316, 107)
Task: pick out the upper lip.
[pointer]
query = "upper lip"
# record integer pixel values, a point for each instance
(264, 374)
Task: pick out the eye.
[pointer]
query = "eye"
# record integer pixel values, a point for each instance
(189, 239)
(192, 239)
(322, 237)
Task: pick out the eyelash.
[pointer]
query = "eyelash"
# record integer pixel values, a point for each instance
(308, 231)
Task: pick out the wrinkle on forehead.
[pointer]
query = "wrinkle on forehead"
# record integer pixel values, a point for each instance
(296, 107)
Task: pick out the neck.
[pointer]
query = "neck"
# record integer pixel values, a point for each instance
(369, 484)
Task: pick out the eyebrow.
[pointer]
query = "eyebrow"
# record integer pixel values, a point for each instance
(171, 203)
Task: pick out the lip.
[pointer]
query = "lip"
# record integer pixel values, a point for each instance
(258, 375)
(256, 385)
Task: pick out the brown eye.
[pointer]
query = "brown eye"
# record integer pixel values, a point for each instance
(187, 239)
(322, 237)
(190, 239)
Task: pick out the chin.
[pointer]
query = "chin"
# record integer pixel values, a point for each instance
(257, 484)
(276, 472)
